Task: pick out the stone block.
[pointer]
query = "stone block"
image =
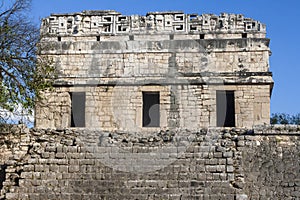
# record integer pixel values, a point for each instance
(87, 162)
(73, 155)
(229, 168)
(241, 197)
(14, 196)
(53, 168)
(220, 168)
(228, 154)
(73, 168)
(60, 155)
(211, 168)
(63, 169)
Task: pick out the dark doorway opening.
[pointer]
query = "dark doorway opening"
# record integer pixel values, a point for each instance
(151, 113)
(225, 109)
(78, 109)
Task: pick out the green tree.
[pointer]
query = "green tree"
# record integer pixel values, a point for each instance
(296, 119)
(283, 118)
(22, 73)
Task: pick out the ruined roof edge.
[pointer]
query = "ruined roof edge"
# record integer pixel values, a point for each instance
(110, 21)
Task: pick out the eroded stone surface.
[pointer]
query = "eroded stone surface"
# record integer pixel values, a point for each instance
(115, 58)
(260, 163)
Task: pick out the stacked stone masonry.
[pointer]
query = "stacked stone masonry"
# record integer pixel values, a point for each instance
(186, 58)
(232, 163)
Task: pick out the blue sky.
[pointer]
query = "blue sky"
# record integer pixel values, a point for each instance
(281, 18)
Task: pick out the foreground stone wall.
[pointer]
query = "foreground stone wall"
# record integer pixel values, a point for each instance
(271, 167)
(262, 163)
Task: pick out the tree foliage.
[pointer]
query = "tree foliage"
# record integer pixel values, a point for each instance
(283, 118)
(22, 73)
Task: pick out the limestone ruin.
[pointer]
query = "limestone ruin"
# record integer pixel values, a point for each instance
(150, 107)
(155, 72)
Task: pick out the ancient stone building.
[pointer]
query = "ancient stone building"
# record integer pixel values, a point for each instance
(153, 94)
(156, 72)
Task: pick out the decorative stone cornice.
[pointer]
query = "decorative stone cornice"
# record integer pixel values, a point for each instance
(112, 22)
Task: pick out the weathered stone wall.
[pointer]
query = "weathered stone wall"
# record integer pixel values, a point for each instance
(187, 67)
(120, 107)
(272, 166)
(152, 57)
(174, 164)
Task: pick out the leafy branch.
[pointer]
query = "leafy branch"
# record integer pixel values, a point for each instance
(23, 74)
